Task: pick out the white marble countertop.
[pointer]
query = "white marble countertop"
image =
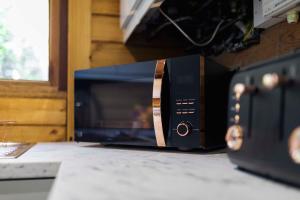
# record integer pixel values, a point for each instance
(86, 171)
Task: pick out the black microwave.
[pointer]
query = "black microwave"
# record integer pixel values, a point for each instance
(175, 102)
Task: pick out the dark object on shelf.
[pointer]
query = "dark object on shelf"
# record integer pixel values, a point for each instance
(264, 119)
(208, 27)
(175, 102)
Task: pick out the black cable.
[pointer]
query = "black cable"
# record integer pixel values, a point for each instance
(161, 27)
(188, 37)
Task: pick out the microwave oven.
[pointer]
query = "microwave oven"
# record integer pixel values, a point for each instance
(175, 102)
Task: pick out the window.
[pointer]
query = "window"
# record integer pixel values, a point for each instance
(24, 40)
(33, 46)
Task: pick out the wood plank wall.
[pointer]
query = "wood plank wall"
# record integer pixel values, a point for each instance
(37, 119)
(39, 113)
(107, 39)
(276, 41)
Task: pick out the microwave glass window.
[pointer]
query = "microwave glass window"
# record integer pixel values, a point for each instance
(185, 80)
(121, 105)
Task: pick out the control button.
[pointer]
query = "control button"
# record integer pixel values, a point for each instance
(237, 107)
(240, 88)
(272, 80)
(184, 128)
(178, 101)
(78, 104)
(191, 111)
(294, 145)
(234, 137)
(236, 119)
(79, 133)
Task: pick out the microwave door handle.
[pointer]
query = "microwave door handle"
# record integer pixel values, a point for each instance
(156, 102)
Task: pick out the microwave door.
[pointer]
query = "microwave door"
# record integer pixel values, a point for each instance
(121, 113)
(113, 106)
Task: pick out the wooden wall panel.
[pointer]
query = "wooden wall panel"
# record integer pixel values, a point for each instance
(28, 104)
(32, 133)
(276, 41)
(106, 7)
(105, 54)
(79, 49)
(36, 119)
(30, 89)
(33, 111)
(107, 40)
(106, 28)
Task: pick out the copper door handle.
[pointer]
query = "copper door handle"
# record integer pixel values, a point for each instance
(156, 102)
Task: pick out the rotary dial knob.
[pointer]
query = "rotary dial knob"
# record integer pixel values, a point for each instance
(294, 145)
(273, 80)
(184, 128)
(240, 89)
(234, 137)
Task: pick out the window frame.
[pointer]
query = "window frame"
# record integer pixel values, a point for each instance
(58, 52)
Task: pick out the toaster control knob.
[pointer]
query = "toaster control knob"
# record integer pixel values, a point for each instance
(234, 137)
(294, 145)
(184, 128)
(272, 80)
(240, 88)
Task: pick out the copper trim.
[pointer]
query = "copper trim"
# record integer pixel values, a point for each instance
(234, 137)
(294, 145)
(156, 103)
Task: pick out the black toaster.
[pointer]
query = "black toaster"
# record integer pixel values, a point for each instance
(264, 119)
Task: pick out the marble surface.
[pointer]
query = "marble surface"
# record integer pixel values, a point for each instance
(86, 171)
(28, 170)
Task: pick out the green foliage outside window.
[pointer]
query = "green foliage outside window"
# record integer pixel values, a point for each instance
(20, 54)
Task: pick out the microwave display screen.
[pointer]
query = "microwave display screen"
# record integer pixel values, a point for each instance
(120, 105)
